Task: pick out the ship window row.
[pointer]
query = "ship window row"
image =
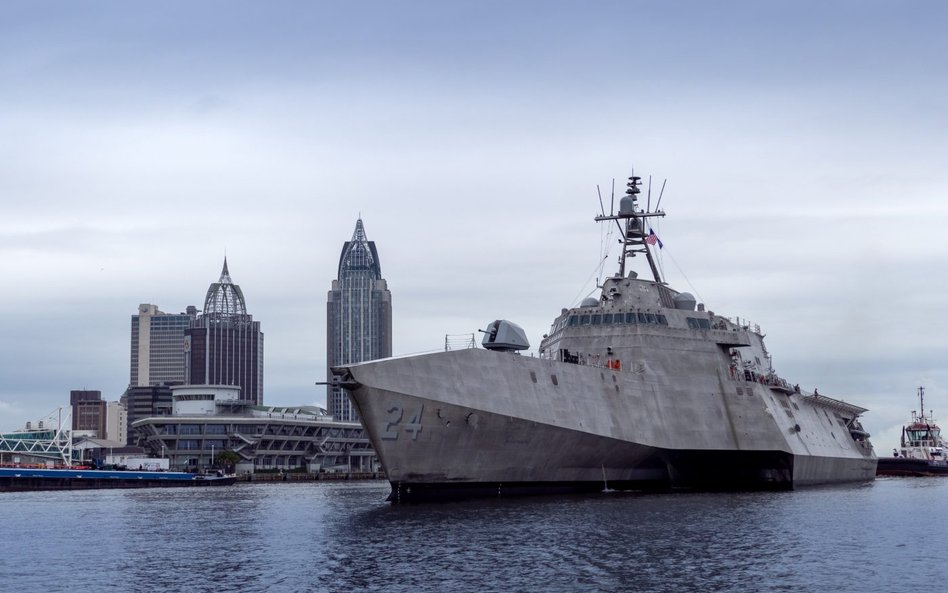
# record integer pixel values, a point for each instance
(916, 436)
(698, 323)
(632, 317)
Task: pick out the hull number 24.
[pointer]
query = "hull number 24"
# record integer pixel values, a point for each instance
(396, 424)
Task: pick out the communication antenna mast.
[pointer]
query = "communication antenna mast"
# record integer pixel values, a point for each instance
(634, 233)
(648, 205)
(660, 194)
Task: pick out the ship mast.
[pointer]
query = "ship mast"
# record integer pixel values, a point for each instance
(634, 235)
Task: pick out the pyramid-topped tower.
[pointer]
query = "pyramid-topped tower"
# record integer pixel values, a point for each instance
(359, 254)
(359, 315)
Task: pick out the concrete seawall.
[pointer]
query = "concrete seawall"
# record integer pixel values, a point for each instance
(310, 477)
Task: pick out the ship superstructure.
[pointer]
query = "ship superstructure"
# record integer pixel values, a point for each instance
(639, 388)
(922, 439)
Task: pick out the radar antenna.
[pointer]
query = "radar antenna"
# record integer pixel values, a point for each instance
(634, 233)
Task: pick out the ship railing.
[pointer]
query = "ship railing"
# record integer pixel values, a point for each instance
(774, 381)
(459, 342)
(746, 325)
(771, 379)
(584, 359)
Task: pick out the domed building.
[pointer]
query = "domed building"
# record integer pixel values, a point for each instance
(224, 345)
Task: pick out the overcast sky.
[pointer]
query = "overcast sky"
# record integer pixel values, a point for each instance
(804, 145)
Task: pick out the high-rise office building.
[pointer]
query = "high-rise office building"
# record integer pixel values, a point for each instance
(144, 402)
(359, 316)
(88, 411)
(224, 345)
(157, 354)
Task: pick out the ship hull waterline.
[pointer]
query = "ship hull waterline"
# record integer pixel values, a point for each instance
(905, 467)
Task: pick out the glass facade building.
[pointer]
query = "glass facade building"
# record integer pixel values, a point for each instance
(157, 348)
(224, 345)
(359, 316)
(143, 402)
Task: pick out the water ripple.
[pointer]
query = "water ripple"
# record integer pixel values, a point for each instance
(318, 537)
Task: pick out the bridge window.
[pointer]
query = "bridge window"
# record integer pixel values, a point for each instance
(695, 323)
(642, 318)
(662, 320)
(596, 319)
(630, 317)
(574, 320)
(606, 318)
(584, 319)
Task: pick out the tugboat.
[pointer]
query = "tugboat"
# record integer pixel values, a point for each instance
(640, 388)
(923, 451)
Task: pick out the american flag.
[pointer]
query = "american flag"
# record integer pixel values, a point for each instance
(652, 239)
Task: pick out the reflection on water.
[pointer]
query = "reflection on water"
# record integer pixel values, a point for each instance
(343, 537)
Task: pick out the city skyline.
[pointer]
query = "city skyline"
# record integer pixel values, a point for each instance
(803, 149)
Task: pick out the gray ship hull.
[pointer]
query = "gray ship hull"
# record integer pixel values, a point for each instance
(479, 422)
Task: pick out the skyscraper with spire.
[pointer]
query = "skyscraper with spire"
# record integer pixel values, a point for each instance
(224, 345)
(359, 316)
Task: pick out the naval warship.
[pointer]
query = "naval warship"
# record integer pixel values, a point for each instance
(641, 388)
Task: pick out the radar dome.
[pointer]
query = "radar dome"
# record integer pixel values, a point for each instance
(685, 301)
(626, 205)
(589, 302)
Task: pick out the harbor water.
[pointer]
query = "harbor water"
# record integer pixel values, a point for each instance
(889, 535)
